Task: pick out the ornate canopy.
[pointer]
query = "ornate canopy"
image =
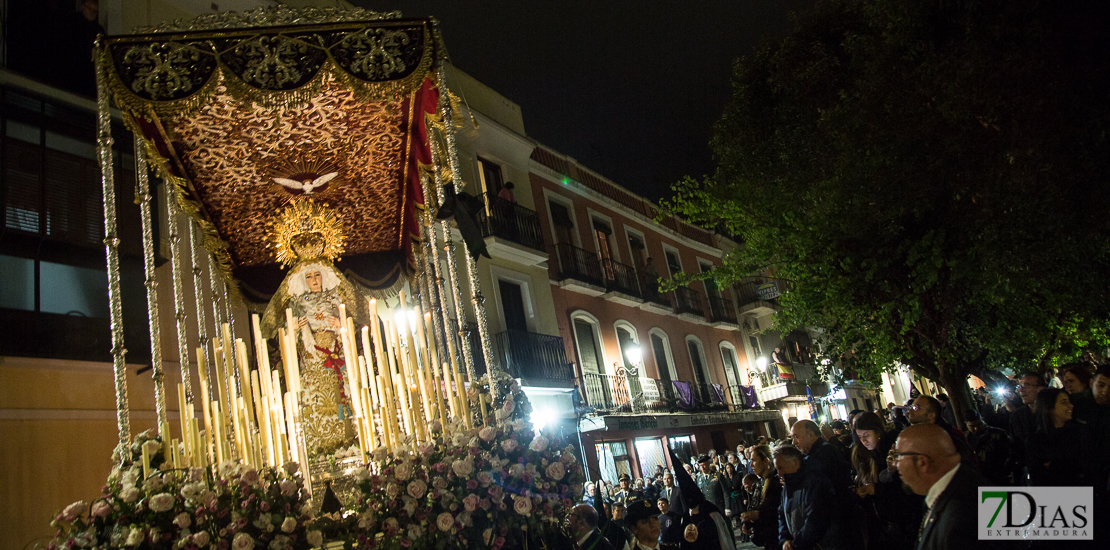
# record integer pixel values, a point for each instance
(245, 113)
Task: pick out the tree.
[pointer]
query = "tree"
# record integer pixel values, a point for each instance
(930, 175)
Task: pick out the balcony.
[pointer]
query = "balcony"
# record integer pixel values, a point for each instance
(580, 270)
(688, 304)
(511, 231)
(615, 393)
(722, 314)
(621, 282)
(530, 356)
(761, 296)
(778, 389)
(655, 301)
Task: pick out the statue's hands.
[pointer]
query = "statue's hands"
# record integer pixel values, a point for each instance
(302, 322)
(334, 321)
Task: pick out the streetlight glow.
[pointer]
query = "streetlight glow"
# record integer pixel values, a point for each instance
(761, 362)
(634, 354)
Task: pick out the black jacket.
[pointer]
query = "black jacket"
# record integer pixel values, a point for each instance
(953, 520)
(596, 542)
(806, 514)
(765, 530)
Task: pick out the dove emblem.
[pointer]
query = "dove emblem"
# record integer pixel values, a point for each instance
(307, 185)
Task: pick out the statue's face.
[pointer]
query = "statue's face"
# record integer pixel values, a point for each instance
(314, 280)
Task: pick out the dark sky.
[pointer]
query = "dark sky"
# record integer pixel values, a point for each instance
(629, 89)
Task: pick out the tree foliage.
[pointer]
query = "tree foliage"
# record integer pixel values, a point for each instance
(932, 177)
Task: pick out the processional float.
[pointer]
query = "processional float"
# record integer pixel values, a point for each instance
(306, 155)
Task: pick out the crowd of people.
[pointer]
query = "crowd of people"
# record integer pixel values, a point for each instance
(905, 477)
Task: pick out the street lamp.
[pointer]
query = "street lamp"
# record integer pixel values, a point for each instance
(761, 362)
(634, 354)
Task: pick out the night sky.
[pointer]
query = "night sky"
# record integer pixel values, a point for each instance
(629, 89)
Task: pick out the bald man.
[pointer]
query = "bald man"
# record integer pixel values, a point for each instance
(929, 465)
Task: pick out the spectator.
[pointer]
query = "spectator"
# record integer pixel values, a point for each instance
(929, 465)
(808, 502)
(889, 514)
(710, 484)
(946, 411)
(581, 524)
(1058, 451)
(625, 491)
(821, 455)
(670, 523)
(1076, 379)
(760, 521)
(991, 447)
(734, 492)
(672, 494)
(1021, 424)
(900, 420)
(828, 431)
(927, 410)
(615, 530)
(643, 521)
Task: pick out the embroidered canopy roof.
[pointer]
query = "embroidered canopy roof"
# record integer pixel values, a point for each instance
(245, 113)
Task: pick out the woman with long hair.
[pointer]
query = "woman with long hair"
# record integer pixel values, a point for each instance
(890, 515)
(761, 520)
(1059, 449)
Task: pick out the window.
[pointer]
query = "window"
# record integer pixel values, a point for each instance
(673, 265)
(661, 349)
(732, 367)
(683, 448)
(650, 453)
(490, 173)
(756, 348)
(54, 299)
(639, 252)
(589, 345)
(602, 232)
(711, 288)
(697, 360)
(564, 224)
(613, 460)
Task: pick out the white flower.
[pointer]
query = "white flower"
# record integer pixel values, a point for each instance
(288, 487)
(484, 478)
(516, 470)
(539, 444)
(183, 520)
(403, 471)
(426, 449)
(73, 510)
(291, 467)
(101, 509)
(362, 474)
(280, 542)
(410, 505)
(459, 439)
(508, 445)
(487, 433)
(288, 525)
(416, 532)
(417, 488)
(392, 490)
(462, 468)
(556, 471)
(129, 494)
(135, 537)
(263, 521)
(190, 491)
(470, 502)
(522, 505)
(380, 453)
(201, 539)
(161, 502)
(242, 541)
(445, 521)
(509, 406)
(315, 538)
(153, 483)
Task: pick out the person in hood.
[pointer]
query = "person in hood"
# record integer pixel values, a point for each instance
(706, 527)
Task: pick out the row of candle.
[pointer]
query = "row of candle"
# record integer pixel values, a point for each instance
(398, 383)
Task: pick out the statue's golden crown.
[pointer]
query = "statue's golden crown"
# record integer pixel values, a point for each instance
(306, 231)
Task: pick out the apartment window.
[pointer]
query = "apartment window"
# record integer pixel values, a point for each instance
(639, 252)
(490, 171)
(661, 348)
(732, 369)
(54, 299)
(711, 288)
(673, 264)
(613, 459)
(564, 224)
(602, 232)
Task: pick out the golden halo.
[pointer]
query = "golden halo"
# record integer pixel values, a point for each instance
(306, 231)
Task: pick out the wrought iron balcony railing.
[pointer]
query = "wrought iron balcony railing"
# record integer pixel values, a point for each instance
(579, 264)
(526, 354)
(762, 290)
(509, 220)
(721, 310)
(688, 301)
(620, 278)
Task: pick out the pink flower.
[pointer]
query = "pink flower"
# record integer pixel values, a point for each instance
(508, 445)
(499, 542)
(556, 471)
(242, 541)
(445, 521)
(406, 542)
(73, 510)
(470, 502)
(522, 505)
(484, 478)
(471, 485)
(101, 509)
(484, 504)
(390, 526)
(427, 449)
(250, 476)
(417, 488)
(487, 433)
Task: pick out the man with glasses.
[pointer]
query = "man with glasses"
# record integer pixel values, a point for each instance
(930, 466)
(581, 524)
(1022, 425)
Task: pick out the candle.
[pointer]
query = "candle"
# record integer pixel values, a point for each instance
(244, 369)
(389, 415)
(410, 345)
(146, 462)
(216, 435)
(352, 372)
(431, 366)
(401, 381)
(221, 379)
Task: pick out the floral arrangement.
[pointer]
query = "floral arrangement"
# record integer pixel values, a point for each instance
(492, 487)
(489, 487)
(241, 509)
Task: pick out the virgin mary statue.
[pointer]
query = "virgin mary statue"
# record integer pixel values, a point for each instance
(307, 237)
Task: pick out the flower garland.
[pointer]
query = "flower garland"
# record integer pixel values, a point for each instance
(490, 487)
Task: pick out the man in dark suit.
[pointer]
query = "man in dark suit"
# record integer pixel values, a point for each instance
(581, 524)
(930, 465)
(673, 495)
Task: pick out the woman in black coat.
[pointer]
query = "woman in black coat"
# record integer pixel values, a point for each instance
(1059, 449)
(761, 520)
(889, 516)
